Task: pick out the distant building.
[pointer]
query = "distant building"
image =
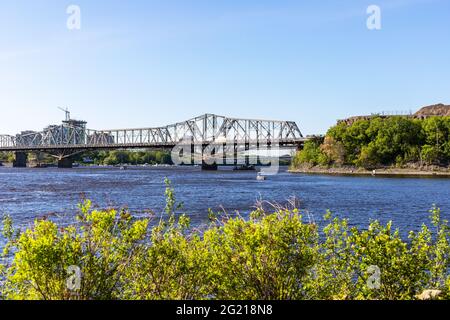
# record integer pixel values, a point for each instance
(28, 138)
(99, 137)
(69, 132)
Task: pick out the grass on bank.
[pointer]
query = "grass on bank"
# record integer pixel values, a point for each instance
(269, 255)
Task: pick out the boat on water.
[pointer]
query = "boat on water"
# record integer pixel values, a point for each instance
(244, 168)
(260, 177)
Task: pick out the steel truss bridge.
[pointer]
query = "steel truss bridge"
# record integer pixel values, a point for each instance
(72, 137)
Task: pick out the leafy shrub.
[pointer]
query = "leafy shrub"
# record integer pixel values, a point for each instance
(310, 155)
(102, 245)
(265, 256)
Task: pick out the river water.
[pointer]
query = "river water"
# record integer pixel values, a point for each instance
(27, 193)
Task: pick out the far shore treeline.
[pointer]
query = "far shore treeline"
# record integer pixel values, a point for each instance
(377, 142)
(113, 157)
(125, 156)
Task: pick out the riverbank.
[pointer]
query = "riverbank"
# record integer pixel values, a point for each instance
(391, 171)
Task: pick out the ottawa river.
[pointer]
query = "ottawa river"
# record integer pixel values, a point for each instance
(27, 193)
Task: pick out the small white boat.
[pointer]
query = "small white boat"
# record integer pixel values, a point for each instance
(260, 177)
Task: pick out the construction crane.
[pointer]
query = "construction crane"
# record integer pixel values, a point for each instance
(67, 112)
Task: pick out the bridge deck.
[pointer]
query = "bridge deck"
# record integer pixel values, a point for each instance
(284, 143)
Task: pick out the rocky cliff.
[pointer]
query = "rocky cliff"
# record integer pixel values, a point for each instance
(434, 110)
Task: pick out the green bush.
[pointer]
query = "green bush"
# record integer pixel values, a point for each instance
(310, 155)
(274, 255)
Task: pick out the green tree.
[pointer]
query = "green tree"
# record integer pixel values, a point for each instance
(430, 154)
(333, 150)
(378, 141)
(309, 155)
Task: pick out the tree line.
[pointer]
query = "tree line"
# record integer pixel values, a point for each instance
(126, 157)
(114, 157)
(378, 141)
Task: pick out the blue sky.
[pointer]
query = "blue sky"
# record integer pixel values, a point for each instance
(149, 63)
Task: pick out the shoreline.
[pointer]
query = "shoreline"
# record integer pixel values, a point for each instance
(376, 172)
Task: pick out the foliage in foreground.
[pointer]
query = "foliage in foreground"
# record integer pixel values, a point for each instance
(266, 256)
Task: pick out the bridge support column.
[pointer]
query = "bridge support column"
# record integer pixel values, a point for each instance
(210, 165)
(65, 163)
(258, 161)
(247, 156)
(193, 154)
(224, 154)
(20, 160)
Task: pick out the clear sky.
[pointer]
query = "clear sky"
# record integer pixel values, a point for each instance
(149, 63)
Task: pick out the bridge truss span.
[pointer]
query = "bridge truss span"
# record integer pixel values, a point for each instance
(72, 136)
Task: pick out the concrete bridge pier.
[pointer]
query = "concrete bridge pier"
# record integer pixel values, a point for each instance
(207, 165)
(20, 160)
(192, 153)
(247, 156)
(65, 163)
(224, 153)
